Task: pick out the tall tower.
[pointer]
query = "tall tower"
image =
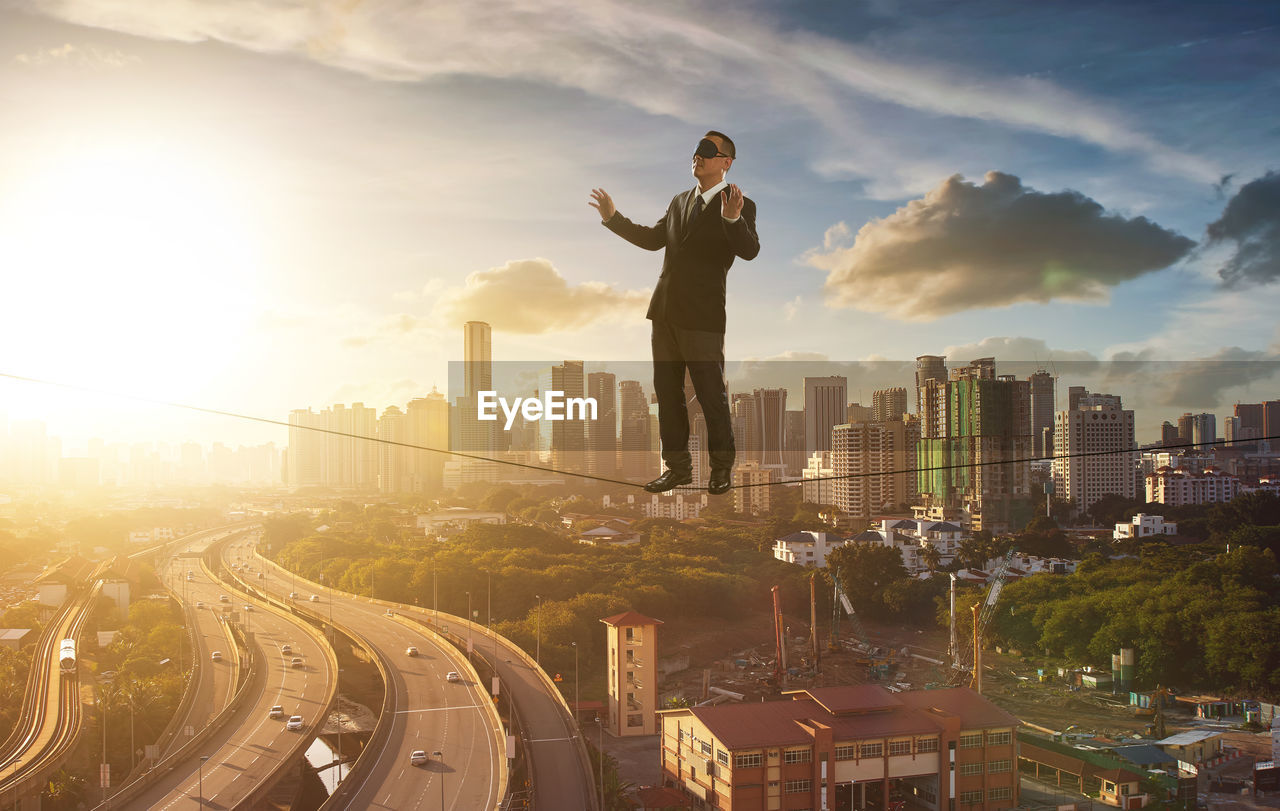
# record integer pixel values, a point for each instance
(602, 432)
(632, 676)
(771, 404)
(928, 367)
(564, 441)
(633, 413)
(393, 460)
(427, 424)
(825, 406)
(1041, 411)
(888, 404)
(475, 436)
(1099, 426)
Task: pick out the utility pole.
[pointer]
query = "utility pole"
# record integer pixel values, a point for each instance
(537, 656)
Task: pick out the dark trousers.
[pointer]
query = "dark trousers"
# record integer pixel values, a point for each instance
(675, 350)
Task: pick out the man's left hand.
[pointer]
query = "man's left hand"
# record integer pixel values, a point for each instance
(731, 202)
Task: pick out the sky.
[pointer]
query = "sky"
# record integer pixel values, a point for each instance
(269, 205)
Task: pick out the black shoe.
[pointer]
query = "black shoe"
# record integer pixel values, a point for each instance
(669, 481)
(720, 480)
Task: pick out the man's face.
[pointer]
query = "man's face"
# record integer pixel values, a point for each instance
(712, 169)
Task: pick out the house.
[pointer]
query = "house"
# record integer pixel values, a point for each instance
(1120, 789)
(807, 547)
(608, 536)
(452, 520)
(1193, 746)
(1142, 526)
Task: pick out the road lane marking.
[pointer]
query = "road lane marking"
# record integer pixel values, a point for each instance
(441, 709)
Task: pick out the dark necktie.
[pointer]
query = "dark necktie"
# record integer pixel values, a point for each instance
(698, 203)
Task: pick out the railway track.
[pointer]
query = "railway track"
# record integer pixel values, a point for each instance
(49, 723)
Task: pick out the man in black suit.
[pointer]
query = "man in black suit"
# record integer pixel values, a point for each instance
(704, 229)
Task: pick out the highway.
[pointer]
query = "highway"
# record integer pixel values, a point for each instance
(429, 712)
(234, 763)
(561, 777)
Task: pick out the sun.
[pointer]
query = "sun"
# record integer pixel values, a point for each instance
(126, 268)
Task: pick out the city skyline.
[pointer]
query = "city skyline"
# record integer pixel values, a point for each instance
(250, 210)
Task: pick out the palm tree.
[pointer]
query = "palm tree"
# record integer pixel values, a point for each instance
(65, 790)
(931, 557)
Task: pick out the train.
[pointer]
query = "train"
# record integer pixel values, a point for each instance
(67, 657)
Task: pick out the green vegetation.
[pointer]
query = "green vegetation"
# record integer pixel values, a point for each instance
(1197, 617)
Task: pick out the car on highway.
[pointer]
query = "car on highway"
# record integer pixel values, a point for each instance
(294, 723)
(452, 675)
(248, 607)
(276, 712)
(417, 757)
(261, 575)
(315, 598)
(199, 603)
(297, 662)
(191, 575)
(224, 598)
(216, 656)
(390, 613)
(293, 595)
(411, 651)
(286, 649)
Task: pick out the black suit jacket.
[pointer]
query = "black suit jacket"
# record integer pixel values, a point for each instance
(691, 289)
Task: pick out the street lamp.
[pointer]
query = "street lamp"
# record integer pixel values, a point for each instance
(537, 656)
(468, 626)
(600, 721)
(203, 758)
(439, 756)
(577, 701)
(338, 773)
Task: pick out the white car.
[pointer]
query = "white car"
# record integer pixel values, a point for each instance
(216, 656)
(248, 607)
(297, 662)
(276, 712)
(417, 757)
(411, 651)
(452, 675)
(315, 598)
(286, 649)
(390, 613)
(199, 603)
(294, 723)
(224, 598)
(293, 595)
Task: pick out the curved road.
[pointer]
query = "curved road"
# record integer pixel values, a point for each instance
(431, 713)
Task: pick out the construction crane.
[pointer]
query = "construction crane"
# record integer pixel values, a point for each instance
(969, 661)
(841, 600)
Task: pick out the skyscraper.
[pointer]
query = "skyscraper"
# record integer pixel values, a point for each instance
(564, 441)
(1085, 441)
(473, 435)
(825, 406)
(861, 450)
(393, 460)
(427, 425)
(888, 404)
(1042, 386)
(602, 432)
(928, 367)
(771, 404)
(981, 464)
(793, 443)
(633, 441)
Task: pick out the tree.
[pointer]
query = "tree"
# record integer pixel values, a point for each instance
(931, 557)
(865, 571)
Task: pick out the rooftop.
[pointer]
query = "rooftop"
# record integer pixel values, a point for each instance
(1189, 737)
(630, 618)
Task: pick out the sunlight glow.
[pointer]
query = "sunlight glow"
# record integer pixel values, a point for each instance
(126, 268)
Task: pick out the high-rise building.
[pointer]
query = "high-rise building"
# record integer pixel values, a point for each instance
(473, 435)
(888, 404)
(819, 484)
(981, 463)
(393, 459)
(928, 367)
(1204, 431)
(1185, 429)
(563, 442)
(1088, 443)
(771, 405)
(874, 463)
(1251, 415)
(1169, 434)
(637, 461)
(751, 490)
(793, 442)
(602, 432)
(745, 415)
(857, 412)
(306, 465)
(1074, 393)
(825, 406)
(1042, 392)
(427, 425)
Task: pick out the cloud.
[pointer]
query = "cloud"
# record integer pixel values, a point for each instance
(965, 246)
(790, 308)
(1021, 351)
(68, 55)
(685, 61)
(529, 296)
(1202, 383)
(1250, 222)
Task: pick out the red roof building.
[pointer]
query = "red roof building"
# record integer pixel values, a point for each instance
(847, 747)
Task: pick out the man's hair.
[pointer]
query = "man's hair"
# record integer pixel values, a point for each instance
(728, 142)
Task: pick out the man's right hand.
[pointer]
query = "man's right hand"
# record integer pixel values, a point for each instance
(602, 202)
